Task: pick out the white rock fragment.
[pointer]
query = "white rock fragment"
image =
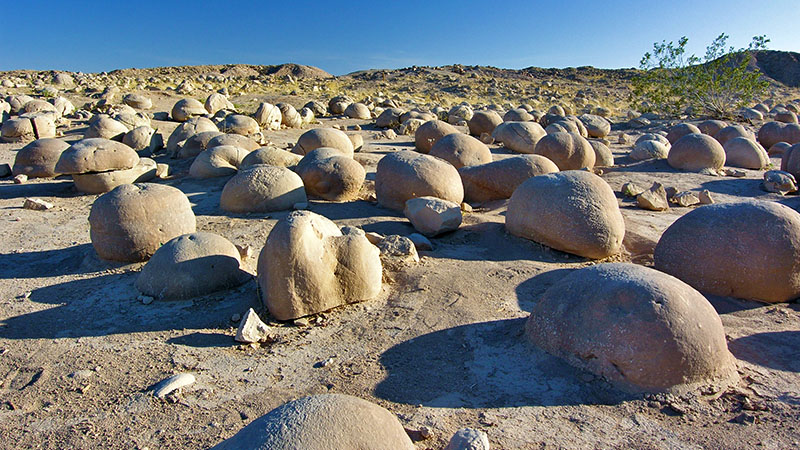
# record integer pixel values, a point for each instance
(252, 329)
(21, 178)
(468, 439)
(37, 204)
(431, 216)
(172, 384)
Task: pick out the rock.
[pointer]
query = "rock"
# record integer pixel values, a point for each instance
(162, 171)
(390, 134)
(38, 159)
(289, 116)
(173, 383)
(459, 113)
(373, 237)
(745, 153)
(338, 104)
(317, 108)
(239, 124)
(790, 161)
(220, 161)
(518, 115)
(357, 140)
(5, 170)
(778, 149)
(711, 127)
(100, 182)
(736, 173)
(129, 223)
(705, 197)
(37, 204)
(421, 243)
(483, 122)
(137, 101)
(602, 154)
(398, 249)
(403, 175)
(186, 109)
(324, 137)
(252, 329)
(596, 126)
(107, 128)
(430, 132)
(262, 188)
(236, 140)
(389, 118)
(191, 265)
(323, 422)
(186, 130)
(268, 116)
(468, 439)
(567, 150)
(271, 156)
(461, 150)
(730, 132)
(653, 199)
(357, 111)
(750, 250)
(640, 329)
(23, 129)
(410, 126)
(649, 149)
(20, 179)
(573, 211)
(629, 189)
(139, 138)
(773, 132)
(328, 174)
(432, 216)
(217, 102)
(779, 181)
(680, 130)
(309, 266)
(695, 152)
(685, 198)
(520, 137)
(96, 155)
(498, 180)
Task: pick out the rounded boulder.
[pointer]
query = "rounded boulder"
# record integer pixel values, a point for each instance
(430, 132)
(568, 150)
(329, 175)
(407, 174)
(461, 150)
(262, 188)
(745, 153)
(695, 152)
(483, 121)
(38, 159)
(324, 137)
(498, 180)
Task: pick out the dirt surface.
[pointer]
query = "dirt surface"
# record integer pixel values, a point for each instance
(442, 346)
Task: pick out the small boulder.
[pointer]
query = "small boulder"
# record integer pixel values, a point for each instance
(653, 199)
(271, 156)
(695, 152)
(680, 130)
(186, 109)
(779, 182)
(483, 122)
(262, 188)
(568, 151)
(324, 137)
(498, 180)
(745, 153)
(403, 175)
(432, 216)
(461, 150)
(430, 132)
(220, 161)
(38, 159)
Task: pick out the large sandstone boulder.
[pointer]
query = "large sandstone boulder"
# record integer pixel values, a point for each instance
(639, 328)
(262, 188)
(23, 129)
(432, 216)
(270, 156)
(498, 180)
(568, 150)
(329, 175)
(324, 137)
(745, 153)
(790, 160)
(748, 249)
(518, 115)
(63, 106)
(520, 137)
(389, 118)
(289, 116)
(131, 222)
(37, 105)
(189, 128)
(323, 422)
(186, 109)
(191, 265)
(137, 101)
(649, 149)
(680, 130)
(236, 140)
(711, 127)
(16, 102)
(100, 182)
(574, 211)
(107, 128)
(338, 104)
(196, 143)
(459, 113)
(602, 154)
(695, 152)
(596, 126)
(217, 102)
(461, 150)
(268, 116)
(731, 131)
(357, 111)
(140, 138)
(220, 161)
(309, 266)
(38, 159)
(483, 122)
(407, 174)
(96, 155)
(773, 132)
(430, 132)
(239, 124)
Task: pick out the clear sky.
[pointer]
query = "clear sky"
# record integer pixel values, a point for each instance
(349, 35)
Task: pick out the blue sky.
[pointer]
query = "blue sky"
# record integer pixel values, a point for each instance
(348, 35)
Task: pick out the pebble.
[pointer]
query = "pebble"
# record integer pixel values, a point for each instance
(685, 198)
(236, 317)
(173, 383)
(468, 439)
(146, 299)
(37, 204)
(252, 329)
(653, 199)
(21, 178)
(705, 197)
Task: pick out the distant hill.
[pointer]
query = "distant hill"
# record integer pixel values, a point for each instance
(780, 66)
(298, 71)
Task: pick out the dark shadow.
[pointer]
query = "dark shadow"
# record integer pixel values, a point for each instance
(485, 365)
(357, 209)
(49, 188)
(628, 164)
(204, 340)
(45, 263)
(739, 187)
(109, 304)
(529, 290)
(388, 227)
(727, 305)
(778, 350)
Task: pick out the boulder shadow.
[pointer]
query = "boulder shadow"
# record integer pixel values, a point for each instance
(50, 188)
(739, 187)
(45, 263)
(204, 340)
(778, 350)
(485, 365)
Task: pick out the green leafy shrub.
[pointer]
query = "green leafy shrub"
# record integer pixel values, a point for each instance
(717, 85)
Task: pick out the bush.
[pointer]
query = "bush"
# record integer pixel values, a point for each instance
(717, 85)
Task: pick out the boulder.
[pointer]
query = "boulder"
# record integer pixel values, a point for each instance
(461, 150)
(37, 105)
(357, 111)
(63, 106)
(498, 180)
(778, 148)
(191, 265)
(338, 104)
(329, 175)
(24, 129)
(779, 182)
(773, 132)
(745, 153)
(132, 120)
(139, 138)
(649, 149)
(389, 118)
(236, 140)
(323, 422)
(574, 211)
(100, 182)
(137, 101)
(38, 159)
(268, 116)
(711, 127)
(432, 216)
(568, 150)
(653, 137)
(695, 152)
(217, 102)
(271, 156)
(602, 154)
(596, 126)
(308, 266)
(749, 249)
(220, 161)
(197, 142)
(680, 130)
(518, 115)
(468, 439)
(459, 113)
(730, 132)
(406, 174)
(520, 137)
(16, 102)
(262, 188)
(96, 155)
(430, 132)
(131, 222)
(790, 161)
(107, 128)
(289, 116)
(643, 330)
(186, 109)
(483, 122)
(324, 137)
(189, 128)
(239, 124)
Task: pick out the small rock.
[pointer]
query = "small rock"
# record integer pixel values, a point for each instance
(705, 197)
(5, 170)
(357, 127)
(624, 139)
(162, 171)
(432, 216)
(653, 199)
(373, 237)
(779, 181)
(736, 173)
(487, 138)
(37, 204)
(685, 198)
(398, 247)
(420, 242)
(302, 322)
(146, 299)
(252, 329)
(21, 178)
(390, 134)
(465, 207)
(631, 190)
(425, 432)
(300, 206)
(671, 192)
(468, 439)
(172, 384)
(245, 251)
(709, 171)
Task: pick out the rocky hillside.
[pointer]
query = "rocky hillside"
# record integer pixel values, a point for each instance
(783, 67)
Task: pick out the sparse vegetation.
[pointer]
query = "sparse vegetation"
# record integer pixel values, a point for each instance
(716, 85)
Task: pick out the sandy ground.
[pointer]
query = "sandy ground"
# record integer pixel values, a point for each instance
(442, 346)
